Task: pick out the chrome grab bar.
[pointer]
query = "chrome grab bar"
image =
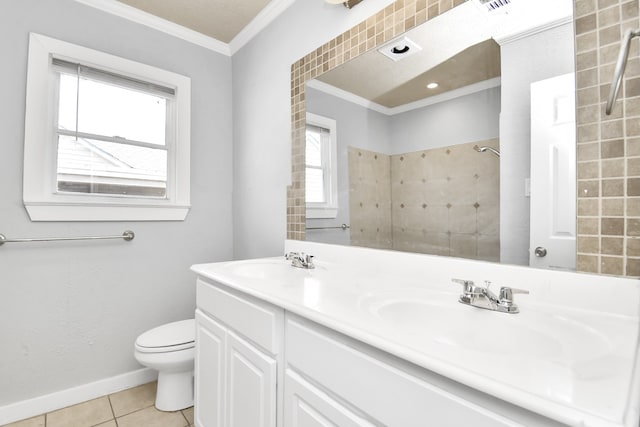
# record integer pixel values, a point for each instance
(619, 70)
(127, 235)
(343, 227)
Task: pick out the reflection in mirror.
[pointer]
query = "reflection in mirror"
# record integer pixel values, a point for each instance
(417, 168)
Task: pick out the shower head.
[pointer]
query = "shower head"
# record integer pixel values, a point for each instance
(485, 148)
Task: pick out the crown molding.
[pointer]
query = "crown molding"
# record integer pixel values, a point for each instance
(363, 102)
(447, 96)
(270, 12)
(511, 37)
(347, 96)
(141, 17)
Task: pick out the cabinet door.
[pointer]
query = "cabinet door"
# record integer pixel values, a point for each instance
(209, 368)
(251, 381)
(307, 406)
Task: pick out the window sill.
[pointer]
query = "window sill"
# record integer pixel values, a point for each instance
(318, 213)
(86, 212)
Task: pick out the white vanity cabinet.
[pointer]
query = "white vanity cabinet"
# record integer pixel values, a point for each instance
(258, 365)
(238, 341)
(331, 377)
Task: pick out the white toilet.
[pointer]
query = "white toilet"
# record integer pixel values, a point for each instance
(170, 350)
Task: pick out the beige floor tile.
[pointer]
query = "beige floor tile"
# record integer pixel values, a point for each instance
(188, 414)
(31, 422)
(133, 399)
(151, 417)
(85, 414)
(111, 423)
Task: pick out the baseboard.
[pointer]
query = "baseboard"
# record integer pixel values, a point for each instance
(61, 399)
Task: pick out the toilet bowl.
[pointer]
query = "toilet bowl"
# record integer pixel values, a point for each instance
(170, 350)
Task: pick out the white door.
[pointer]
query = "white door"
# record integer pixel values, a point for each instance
(209, 365)
(251, 380)
(306, 406)
(553, 173)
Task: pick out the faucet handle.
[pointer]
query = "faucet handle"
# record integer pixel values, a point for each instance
(506, 298)
(468, 287)
(506, 293)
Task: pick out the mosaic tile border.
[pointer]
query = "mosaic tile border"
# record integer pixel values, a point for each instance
(608, 147)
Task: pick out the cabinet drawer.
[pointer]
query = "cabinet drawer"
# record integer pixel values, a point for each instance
(252, 318)
(306, 406)
(387, 394)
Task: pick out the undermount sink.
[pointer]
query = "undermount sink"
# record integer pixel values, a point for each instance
(441, 320)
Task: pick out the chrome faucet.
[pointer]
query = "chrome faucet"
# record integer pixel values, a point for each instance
(300, 259)
(482, 297)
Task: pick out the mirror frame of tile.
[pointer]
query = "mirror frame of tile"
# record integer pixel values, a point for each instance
(608, 147)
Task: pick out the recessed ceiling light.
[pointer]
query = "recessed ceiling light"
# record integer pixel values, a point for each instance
(432, 85)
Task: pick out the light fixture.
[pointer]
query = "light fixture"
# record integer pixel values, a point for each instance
(432, 85)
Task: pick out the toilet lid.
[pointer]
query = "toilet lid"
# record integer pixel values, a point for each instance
(170, 335)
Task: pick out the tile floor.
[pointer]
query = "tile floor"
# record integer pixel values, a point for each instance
(128, 408)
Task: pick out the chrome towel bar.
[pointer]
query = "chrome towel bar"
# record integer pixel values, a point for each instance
(343, 227)
(619, 70)
(127, 235)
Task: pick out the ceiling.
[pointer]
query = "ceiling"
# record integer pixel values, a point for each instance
(220, 19)
(453, 55)
(458, 49)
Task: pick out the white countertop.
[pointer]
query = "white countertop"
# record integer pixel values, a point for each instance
(570, 354)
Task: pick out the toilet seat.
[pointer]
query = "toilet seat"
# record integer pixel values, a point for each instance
(166, 338)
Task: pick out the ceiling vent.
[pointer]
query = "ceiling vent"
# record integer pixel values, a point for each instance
(400, 49)
(494, 7)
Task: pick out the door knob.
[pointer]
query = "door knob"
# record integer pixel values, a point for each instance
(540, 252)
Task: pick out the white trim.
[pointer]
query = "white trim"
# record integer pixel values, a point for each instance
(144, 18)
(363, 102)
(267, 15)
(321, 213)
(53, 212)
(447, 96)
(71, 396)
(511, 37)
(347, 96)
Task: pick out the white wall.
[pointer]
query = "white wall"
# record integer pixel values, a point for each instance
(469, 118)
(524, 61)
(70, 312)
(262, 117)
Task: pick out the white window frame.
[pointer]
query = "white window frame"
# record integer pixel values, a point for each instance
(328, 209)
(40, 196)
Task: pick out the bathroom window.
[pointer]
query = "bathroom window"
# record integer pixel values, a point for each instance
(321, 175)
(105, 138)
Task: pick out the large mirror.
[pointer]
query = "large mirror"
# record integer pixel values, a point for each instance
(482, 166)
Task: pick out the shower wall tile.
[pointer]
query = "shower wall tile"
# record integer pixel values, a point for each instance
(370, 198)
(431, 201)
(444, 199)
